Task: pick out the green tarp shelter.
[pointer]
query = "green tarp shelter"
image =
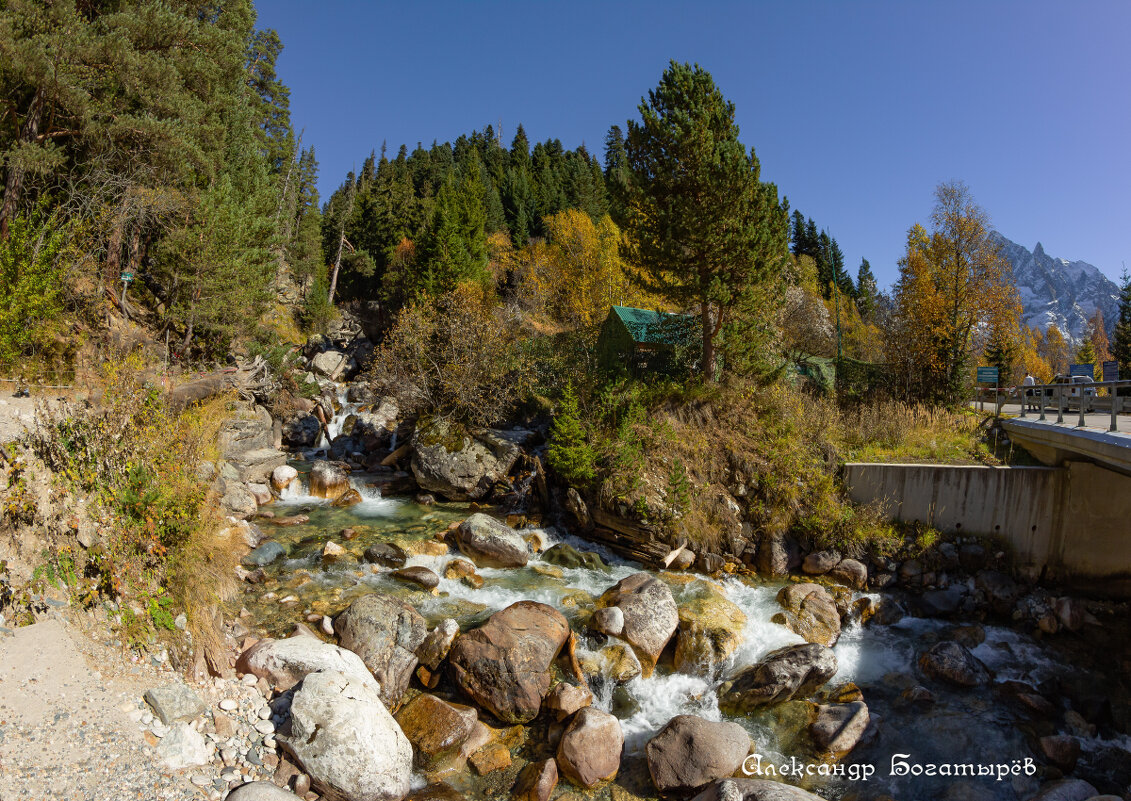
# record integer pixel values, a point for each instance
(644, 340)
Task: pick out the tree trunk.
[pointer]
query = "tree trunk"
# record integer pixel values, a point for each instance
(708, 366)
(14, 183)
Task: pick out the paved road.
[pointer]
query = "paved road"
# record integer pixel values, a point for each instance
(1100, 420)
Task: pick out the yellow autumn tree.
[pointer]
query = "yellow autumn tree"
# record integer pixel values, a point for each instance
(1056, 351)
(577, 273)
(953, 281)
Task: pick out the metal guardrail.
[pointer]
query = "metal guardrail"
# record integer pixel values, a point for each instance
(1086, 397)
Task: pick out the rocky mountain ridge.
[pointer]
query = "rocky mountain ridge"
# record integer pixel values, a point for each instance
(1059, 292)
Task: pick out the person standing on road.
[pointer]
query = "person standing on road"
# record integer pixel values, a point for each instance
(1030, 400)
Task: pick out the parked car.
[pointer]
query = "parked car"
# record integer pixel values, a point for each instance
(1079, 388)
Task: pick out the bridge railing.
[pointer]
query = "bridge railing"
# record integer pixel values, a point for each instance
(1041, 399)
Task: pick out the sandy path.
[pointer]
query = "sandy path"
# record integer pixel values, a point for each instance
(69, 730)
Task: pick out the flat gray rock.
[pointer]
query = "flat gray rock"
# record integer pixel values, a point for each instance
(174, 703)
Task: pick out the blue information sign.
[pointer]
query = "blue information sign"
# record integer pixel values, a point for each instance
(1088, 370)
(1111, 371)
(987, 375)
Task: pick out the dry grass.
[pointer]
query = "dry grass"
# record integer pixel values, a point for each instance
(164, 546)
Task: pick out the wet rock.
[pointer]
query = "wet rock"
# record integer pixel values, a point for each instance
(820, 562)
(292, 520)
(328, 480)
(968, 636)
(796, 671)
(504, 665)
(284, 663)
(616, 661)
(421, 576)
(282, 476)
(536, 782)
(438, 791)
(839, 727)
(1065, 790)
(351, 497)
(1062, 750)
(565, 555)
(260, 791)
(183, 747)
(460, 465)
(952, 663)
(565, 699)
(174, 703)
(490, 543)
(590, 749)
(490, 758)
(435, 728)
(710, 630)
(435, 647)
(754, 790)
(345, 739)
(650, 615)
(385, 632)
(810, 612)
(387, 554)
(690, 752)
(264, 554)
(850, 573)
(941, 603)
(609, 620)
(458, 569)
(332, 552)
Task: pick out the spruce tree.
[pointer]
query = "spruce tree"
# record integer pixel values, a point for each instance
(1121, 336)
(866, 291)
(569, 454)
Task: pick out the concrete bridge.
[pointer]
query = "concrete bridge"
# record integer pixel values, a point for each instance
(1067, 522)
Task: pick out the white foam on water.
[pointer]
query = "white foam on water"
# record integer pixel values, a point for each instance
(759, 635)
(661, 698)
(1012, 655)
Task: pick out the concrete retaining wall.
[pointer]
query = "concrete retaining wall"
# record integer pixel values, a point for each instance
(1071, 523)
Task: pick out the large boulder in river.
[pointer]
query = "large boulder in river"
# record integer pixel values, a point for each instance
(809, 611)
(754, 790)
(954, 664)
(650, 615)
(796, 671)
(346, 740)
(490, 543)
(690, 752)
(590, 749)
(504, 665)
(461, 465)
(710, 630)
(284, 663)
(329, 480)
(385, 632)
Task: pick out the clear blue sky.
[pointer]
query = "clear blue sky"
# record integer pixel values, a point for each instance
(856, 109)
